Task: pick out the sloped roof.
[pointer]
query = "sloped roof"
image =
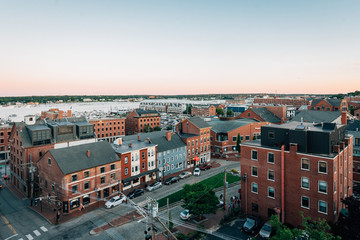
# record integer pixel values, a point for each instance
(159, 138)
(219, 126)
(74, 159)
(266, 115)
(143, 112)
(135, 145)
(317, 116)
(332, 101)
(199, 122)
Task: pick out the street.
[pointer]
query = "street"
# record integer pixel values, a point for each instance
(20, 222)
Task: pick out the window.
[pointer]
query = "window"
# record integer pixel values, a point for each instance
(112, 166)
(74, 177)
(234, 139)
(305, 164)
(126, 171)
(305, 202)
(255, 207)
(112, 176)
(247, 137)
(254, 171)
(74, 189)
(102, 169)
(305, 183)
(86, 185)
(322, 167)
(334, 166)
(271, 175)
(86, 174)
(322, 207)
(126, 160)
(271, 192)
(254, 155)
(143, 155)
(334, 186)
(49, 161)
(254, 187)
(143, 165)
(102, 180)
(271, 158)
(322, 187)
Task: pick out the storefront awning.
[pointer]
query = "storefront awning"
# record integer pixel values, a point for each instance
(129, 179)
(196, 159)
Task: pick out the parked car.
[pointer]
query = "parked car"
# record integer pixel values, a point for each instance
(220, 204)
(185, 215)
(266, 230)
(251, 224)
(117, 200)
(154, 186)
(205, 166)
(171, 180)
(184, 175)
(197, 172)
(135, 193)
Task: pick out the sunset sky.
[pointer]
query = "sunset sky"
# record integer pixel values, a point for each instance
(58, 47)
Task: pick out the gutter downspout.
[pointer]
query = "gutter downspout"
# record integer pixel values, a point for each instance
(282, 184)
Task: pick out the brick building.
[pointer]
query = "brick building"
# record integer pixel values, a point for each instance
(297, 167)
(203, 110)
(261, 114)
(328, 104)
(195, 132)
(141, 121)
(5, 131)
(30, 140)
(109, 128)
(55, 113)
(83, 174)
(357, 113)
(297, 102)
(224, 134)
(353, 128)
(138, 161)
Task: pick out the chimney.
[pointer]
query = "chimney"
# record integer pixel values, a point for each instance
(118, 141)
(69, 113)
(293, 147)
(168, 136)
(344, 118)
(88, 153)
(20, 127)
(130, 144)
(139, 138)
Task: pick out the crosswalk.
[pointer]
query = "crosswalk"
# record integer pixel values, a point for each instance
(36, 233)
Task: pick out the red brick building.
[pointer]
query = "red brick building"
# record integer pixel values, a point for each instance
(29, 141)
(353, 128)
(109, 128)
(297, 167)
(83, 174)
(357, 113)
(141, 121)
(261, 114)
(5, 131)
(224, 134)
(55, 113)
(203, 110)
(195, 132)
(328, 104)
(138, 162)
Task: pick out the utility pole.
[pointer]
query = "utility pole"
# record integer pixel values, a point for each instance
(153, 229)
(225, 190)
(168, 212)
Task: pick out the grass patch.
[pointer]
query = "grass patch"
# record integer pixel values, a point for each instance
(213, 182)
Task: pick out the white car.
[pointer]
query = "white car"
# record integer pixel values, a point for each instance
(154, 186)
(117, 200)
(266, 230)
(197, 172)
(185, 215)
(184, 175)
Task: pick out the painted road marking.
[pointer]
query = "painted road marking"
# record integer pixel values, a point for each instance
(8, 224)
(44, 229)
(37, 233)
(29, 237)
(11, 236)
(21, 239)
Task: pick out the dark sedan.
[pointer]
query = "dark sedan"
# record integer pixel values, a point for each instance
(171, 180)
(205, 167)
(135, 193)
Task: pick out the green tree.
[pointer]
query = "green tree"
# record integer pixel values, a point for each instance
(238, 142)
(157, 128)
(351, 109)
(220, 112)
(230, 113)
(147, 128)
(254, 138)
(346, 224)
(199, 199)
(188, 109)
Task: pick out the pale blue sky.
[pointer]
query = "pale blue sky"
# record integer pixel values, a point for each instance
(178, 47)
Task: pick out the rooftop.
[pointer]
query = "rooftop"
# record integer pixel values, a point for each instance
(219, 126)
(132, 145)
(317, 116)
